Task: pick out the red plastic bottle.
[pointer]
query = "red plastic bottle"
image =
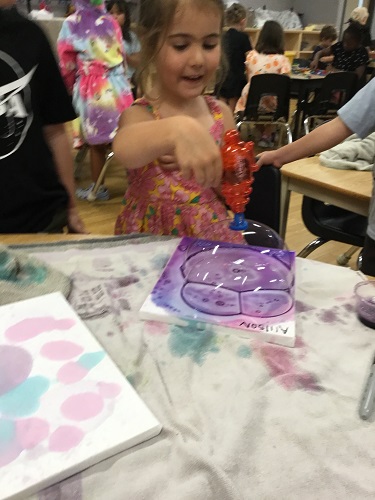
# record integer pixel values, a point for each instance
(238, 167)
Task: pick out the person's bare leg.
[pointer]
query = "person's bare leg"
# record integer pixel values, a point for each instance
(97, 159)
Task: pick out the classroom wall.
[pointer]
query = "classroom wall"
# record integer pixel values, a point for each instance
(321, 11)
(314, 11)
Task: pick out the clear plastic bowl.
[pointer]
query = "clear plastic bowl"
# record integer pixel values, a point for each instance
(365, 302)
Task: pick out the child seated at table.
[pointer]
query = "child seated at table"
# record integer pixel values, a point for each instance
(348, 55)
(327, 36)
(268, 57)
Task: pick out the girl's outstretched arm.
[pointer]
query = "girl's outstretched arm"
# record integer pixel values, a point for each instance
(324, 137)
(141, 139)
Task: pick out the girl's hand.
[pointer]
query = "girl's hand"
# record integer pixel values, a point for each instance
(168, 162)
(314, 64)
(196, 153)
(268, 158)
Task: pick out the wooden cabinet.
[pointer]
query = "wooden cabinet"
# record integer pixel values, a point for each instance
(302, 42)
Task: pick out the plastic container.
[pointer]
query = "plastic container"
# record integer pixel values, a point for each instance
(365, 302)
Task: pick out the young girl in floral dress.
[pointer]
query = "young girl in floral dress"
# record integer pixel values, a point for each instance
(169, 140)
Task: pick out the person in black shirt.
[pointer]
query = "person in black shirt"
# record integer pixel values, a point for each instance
(37, 184)
(327, 36)
(349, 54)
(236, 44)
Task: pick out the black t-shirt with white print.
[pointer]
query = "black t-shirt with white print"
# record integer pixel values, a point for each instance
(348, 61)
(32, 95)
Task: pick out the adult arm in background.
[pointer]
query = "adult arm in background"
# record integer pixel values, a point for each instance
(55, 109)
(56, 138)
(354, 117)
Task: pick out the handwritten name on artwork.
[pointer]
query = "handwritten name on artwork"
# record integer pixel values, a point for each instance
(265, 328)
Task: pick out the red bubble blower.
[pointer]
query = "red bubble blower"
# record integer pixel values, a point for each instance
(238, 167)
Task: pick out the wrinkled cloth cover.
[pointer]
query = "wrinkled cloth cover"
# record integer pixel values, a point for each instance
(352, 154)
(241, 419)
(23, 277)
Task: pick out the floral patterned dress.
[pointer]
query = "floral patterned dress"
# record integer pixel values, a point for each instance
(257, 64)
(161, 202)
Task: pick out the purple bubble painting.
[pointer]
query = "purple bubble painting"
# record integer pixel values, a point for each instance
(64, 405)
(243, 287)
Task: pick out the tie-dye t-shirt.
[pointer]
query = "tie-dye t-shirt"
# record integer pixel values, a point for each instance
(92, 59)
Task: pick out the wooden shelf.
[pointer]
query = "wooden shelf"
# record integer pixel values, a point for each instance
(302, 42)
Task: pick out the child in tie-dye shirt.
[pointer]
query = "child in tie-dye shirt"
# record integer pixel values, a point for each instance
(92, 63)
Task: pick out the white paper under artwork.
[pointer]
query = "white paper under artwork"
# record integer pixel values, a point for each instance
(64, 405)
(237, 286)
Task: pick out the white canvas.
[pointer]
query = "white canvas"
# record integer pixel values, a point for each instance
(64, 405)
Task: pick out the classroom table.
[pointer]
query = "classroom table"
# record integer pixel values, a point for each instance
(302, 85)
(241, 418)
(349, 189)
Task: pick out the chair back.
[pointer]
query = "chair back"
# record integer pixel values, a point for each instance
(333, 223)
(268, 97)
(337, 89)
(264, 203)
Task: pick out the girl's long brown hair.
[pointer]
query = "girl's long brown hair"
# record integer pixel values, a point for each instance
(271, 39)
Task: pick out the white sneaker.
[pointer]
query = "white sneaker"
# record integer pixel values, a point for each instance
(101, 195)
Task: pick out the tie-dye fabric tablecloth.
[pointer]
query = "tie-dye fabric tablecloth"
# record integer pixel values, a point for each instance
(241, 419)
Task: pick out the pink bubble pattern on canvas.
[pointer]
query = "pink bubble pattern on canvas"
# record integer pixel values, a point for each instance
(82, 406)
(31, 431)
(10, 453)
(32, 327)
(15, 366)
(107, 390)
(71, 372)
(60, 350)
(64, 438)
